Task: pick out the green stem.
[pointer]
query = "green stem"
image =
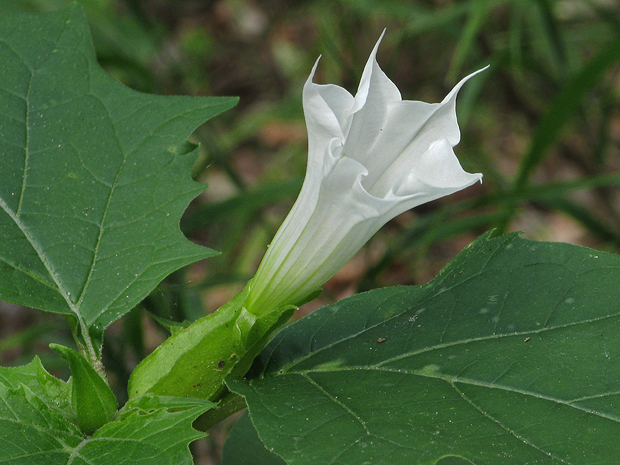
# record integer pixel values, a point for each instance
(229, 404)
(85, 346)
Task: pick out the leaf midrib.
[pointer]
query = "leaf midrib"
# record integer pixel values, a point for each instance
(452, 380)
(505, 427)
(39, 251)
(529, 332)
(36, 277)
(15, 215)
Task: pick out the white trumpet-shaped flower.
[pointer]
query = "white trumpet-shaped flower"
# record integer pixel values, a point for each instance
(370, 158)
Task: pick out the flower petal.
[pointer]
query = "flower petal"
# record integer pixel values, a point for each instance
(326, 109)
(410, 129)
(434, 174)
(321, 119)
(375, 94)
(374, 83)
(371, 157)
(312, 232)
(339, 101)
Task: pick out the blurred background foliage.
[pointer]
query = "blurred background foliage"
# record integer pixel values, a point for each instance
(542, 124)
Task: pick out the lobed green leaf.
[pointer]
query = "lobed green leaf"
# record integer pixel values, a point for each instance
(37, 426)
(94, 176)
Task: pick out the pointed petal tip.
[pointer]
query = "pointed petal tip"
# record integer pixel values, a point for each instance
(455, 90)
(484, 68)
(373, 54)
(310, 81)
(314, 67)
(470, 75)
(382, 35)
(473, 178)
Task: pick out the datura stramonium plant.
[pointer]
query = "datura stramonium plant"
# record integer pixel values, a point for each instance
(370, 158)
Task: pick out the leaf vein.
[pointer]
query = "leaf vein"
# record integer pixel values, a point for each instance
(504, 427)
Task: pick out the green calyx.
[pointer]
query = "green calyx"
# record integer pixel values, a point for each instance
(194, 361)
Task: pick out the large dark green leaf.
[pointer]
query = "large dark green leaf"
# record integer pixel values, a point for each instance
(94, 177)
(243, 446)
(511, 355)
(37, 427)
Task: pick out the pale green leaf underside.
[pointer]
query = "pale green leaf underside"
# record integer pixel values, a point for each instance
(35, 429)
(511, 355)
(93, 176)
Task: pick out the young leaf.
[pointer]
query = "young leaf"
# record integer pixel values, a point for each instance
(35, 426)
(510, 355)
(149, 430)
(94, 176)
(92, 399)
(34, 378)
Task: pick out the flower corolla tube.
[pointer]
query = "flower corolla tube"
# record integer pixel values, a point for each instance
(370, 158)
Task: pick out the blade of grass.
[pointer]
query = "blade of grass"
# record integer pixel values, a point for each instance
(550, 37)
(478, 11)
(562, 108)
